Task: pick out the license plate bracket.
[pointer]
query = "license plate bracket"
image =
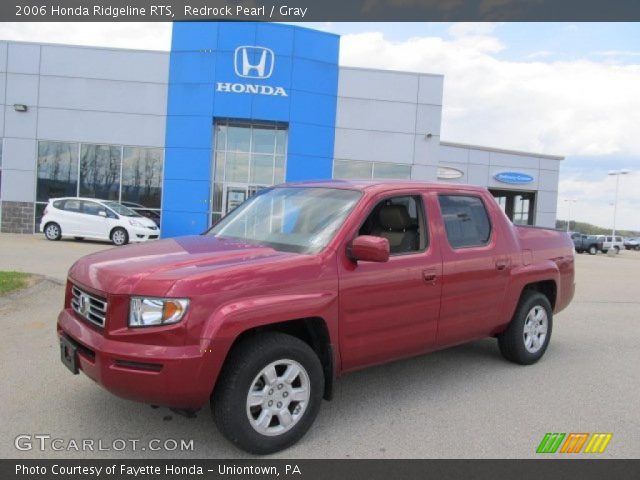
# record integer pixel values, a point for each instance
(69, 355)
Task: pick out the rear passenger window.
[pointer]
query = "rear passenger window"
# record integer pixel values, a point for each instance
(59, 204)
(465, 219)
(92, 208)
(72, 206)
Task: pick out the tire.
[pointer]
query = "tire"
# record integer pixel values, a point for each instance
(244, 370)
(52, 231)
(119, 236)
(513, 342)
(593, 250)
(617, 249)
(637, 247)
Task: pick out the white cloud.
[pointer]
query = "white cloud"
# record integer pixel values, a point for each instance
(575, 107)
(594, 201)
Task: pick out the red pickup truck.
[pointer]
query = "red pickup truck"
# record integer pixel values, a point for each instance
(303, 283)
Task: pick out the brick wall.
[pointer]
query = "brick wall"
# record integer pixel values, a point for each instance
(17, 217)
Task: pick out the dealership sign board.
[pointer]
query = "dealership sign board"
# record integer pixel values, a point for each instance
(513, 178)
(449, 173)
(253, 63)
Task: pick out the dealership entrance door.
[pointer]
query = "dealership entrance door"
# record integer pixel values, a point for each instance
(518, 205)
(247, 157)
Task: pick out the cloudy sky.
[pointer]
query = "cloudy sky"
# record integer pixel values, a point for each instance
(557, 88)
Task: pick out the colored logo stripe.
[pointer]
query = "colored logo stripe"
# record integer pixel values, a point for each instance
(598, 443)
(574, 442)
(550, 443)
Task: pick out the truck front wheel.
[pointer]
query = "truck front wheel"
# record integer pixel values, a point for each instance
(527, 337)
(269, 392)
(593, 250)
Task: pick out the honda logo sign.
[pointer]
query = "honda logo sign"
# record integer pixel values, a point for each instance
(254, 62)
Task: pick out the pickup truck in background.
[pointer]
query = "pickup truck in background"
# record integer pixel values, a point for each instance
(587, 243)
(303, 283)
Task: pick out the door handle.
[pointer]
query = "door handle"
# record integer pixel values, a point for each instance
(429, 276)
(501, 264)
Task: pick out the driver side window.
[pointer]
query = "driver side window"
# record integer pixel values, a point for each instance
(400, 220)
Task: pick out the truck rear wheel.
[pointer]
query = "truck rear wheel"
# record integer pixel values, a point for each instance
(269, 393)
(527, 337)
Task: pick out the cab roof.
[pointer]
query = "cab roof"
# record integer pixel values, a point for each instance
(385, 185)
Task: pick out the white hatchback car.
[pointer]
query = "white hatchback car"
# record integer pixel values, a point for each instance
(95, 219)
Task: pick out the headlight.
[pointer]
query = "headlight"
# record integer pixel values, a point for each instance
(148, 312)
(135, 223)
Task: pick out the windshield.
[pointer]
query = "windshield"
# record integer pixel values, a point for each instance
(293, 219)
(121, 209)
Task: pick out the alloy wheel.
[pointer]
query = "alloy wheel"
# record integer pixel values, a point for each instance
(278, 397)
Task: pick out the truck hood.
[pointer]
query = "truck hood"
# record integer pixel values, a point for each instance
(153, 268)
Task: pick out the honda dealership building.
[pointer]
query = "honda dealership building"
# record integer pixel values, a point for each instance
(186, 136)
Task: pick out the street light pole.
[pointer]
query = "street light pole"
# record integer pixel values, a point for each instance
(570, 200)
(617, 174)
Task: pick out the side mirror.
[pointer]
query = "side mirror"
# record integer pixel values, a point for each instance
(102, 213)
(367, 248)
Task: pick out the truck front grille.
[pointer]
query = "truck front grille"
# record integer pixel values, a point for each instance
(88, 306)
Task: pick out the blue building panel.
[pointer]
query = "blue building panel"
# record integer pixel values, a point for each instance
(314, 108)
(187, 163)
(194, 99)
(307, 139)
(188, 131)
(235, 34)
(314, 45)
(194, 36)
(192, 67)
(247, 71)
(279, 38)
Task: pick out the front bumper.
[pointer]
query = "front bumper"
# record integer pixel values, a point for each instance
(173, 376)
(142, 234)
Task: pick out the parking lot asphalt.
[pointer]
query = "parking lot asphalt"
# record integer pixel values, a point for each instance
(465, 402)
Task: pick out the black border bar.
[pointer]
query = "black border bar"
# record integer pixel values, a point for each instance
(320, 10)
(547, 468)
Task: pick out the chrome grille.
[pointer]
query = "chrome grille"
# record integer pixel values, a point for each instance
(88, 306)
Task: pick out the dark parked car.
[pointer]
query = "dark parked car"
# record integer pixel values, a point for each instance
(587, 243)
(144, 211)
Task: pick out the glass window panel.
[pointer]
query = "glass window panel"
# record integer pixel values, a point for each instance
(237, 167)
(142, 177)
(219, 172)
(352, 170)
(221, 137)
(278, 176)
(57, 170)
(217, 197)
(1, 142)
(281, 141)
(262, 169)
(100, 171)
(391, 170)
(238, 139)
(465, 219)
(263, 140)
